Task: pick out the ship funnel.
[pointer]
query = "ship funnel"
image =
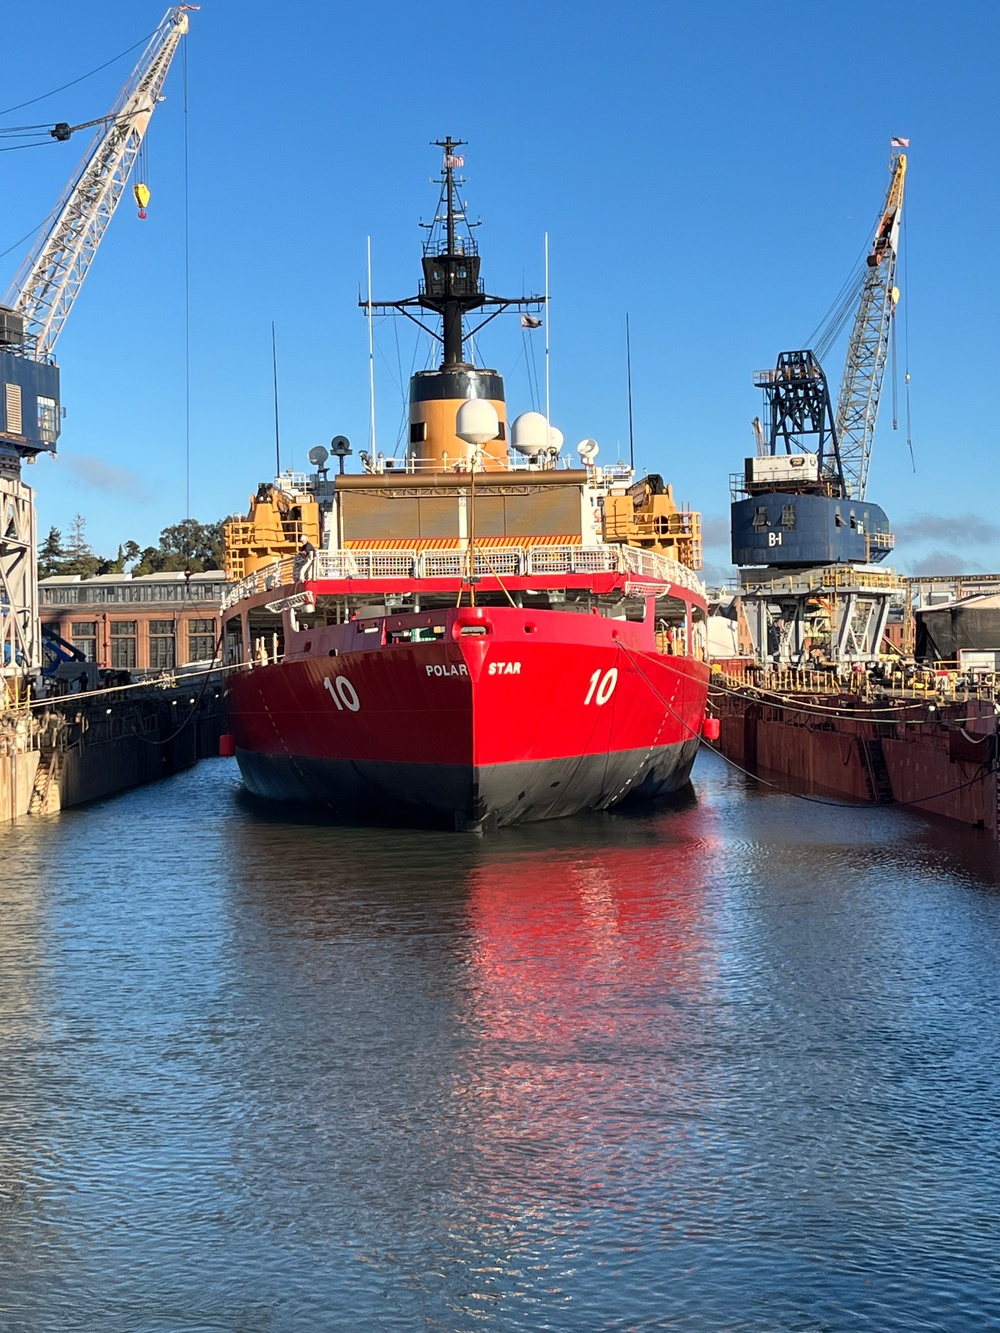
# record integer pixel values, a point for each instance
(477, 421)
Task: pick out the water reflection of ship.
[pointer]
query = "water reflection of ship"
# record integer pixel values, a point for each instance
(480, 1010)
(591, 980)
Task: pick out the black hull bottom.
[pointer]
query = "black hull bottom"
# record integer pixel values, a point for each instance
(465, 797)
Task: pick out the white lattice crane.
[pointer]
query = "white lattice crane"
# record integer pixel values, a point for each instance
(857, 403)
(49, 280)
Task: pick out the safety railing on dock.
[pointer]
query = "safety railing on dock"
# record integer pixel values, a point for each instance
(906, 682)
(502, 561)
(829, 578)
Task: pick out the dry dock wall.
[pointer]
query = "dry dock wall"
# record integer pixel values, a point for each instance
(17, 781)
(943, 763)
(88, 748)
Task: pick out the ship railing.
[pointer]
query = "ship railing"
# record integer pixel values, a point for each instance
(500, 561)
(613, 473)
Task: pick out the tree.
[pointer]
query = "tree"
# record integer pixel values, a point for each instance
(126, 554)
(51, 554)
(79, 557)
(188, 545)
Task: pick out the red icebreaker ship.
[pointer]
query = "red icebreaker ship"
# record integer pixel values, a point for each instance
(477, 633)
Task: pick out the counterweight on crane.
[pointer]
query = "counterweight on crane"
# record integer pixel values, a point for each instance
(32, 317)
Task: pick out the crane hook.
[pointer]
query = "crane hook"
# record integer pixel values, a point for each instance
(141, 193)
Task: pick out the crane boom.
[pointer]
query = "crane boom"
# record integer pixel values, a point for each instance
(48, 282)
(857, 404)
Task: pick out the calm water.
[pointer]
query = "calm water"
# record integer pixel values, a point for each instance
(729, 1067)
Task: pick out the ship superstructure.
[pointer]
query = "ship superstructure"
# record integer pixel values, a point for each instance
(480, 630)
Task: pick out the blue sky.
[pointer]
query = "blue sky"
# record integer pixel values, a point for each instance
(711, 169)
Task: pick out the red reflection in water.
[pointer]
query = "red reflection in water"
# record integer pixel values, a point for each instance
(568, 946)
(592, 980)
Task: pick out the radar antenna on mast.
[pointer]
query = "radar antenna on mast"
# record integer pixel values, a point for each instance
(451, 285)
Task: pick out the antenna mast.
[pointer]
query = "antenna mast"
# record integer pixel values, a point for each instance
(451, 286)
(628, 375)
(277, 435)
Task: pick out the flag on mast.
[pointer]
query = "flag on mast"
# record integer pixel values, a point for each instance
(899, 143)
(454, 160)
(530, 322)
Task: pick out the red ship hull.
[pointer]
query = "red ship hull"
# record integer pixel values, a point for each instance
(508, 716)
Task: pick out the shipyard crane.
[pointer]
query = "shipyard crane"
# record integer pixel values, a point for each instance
(48, 282)
(32, 317)
(857, 404)
(801, 524)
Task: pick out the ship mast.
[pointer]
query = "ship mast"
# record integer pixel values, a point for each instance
(451, 287)
(454, 309)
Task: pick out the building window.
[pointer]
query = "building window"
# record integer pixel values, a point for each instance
(788, 516)
(201, 640)
(48, 420)
(84, 636)
(123, 639)
(760, 518)
(162, 643)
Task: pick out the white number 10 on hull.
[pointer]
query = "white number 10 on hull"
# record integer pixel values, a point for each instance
(602, 687)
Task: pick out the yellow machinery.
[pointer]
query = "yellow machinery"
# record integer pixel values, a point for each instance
(647, 516)
(278, 525)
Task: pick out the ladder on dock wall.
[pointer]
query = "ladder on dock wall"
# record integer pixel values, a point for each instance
(45, 792)
(874, 767)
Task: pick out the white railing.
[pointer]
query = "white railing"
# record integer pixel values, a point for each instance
(502, 561)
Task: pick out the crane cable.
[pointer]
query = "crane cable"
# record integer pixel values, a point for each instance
(906, 341)
(73, 82)
(34, 232)
(829, 328)
(187, 295)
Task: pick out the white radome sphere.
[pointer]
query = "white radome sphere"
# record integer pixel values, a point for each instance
(477, 421)
(555, 439)
(529, 434)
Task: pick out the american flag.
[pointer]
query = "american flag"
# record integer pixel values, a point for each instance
(453, 160)
(530, 322)
(899, 143)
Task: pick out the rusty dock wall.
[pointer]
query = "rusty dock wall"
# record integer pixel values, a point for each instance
(938, 755)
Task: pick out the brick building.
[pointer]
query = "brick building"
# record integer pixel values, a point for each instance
(151, 623)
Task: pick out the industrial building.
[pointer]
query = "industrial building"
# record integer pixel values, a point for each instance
(148, 624)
